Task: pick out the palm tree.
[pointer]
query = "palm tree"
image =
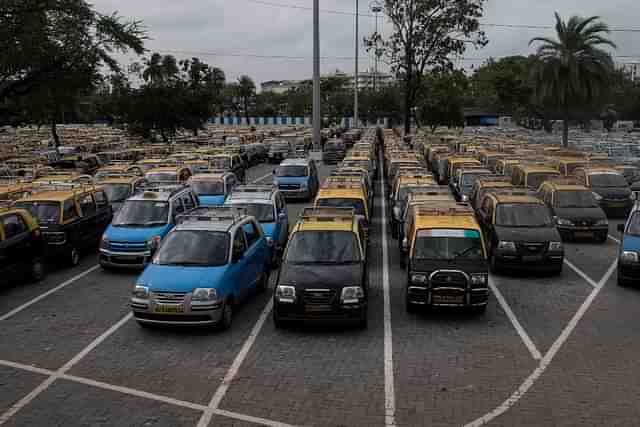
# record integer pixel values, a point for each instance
(573, 70)
(246, 90)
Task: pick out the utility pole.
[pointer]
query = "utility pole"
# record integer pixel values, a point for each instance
(355, 91)
(376, 8)
(317, 139)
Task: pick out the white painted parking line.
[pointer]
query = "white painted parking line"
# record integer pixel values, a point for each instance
(235, 367)
(28, 368)
(60, 372)
(514, 321)
(580, 273)
(613, 238)
(261, 178)
(389, 386)
(49, 292)
(548, 357)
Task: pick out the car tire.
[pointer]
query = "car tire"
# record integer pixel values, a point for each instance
(493, 265)
(263, 282)
(74, 256)
(277, 322)
(363, 322)
(227, 315)
(38, 270)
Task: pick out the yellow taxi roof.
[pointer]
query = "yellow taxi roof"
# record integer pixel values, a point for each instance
(165, 169)
(50, 196)
(569, 187)
(118, 180)
(349, 193)
(456, 222)
(510, 198)
(311, 225)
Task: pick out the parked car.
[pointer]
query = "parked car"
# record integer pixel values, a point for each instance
(610, 189)
(21, 246)
(297, 178)
(213, 188)
(629, 250)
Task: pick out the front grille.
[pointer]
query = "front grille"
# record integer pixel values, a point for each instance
(318, 296)
(169, 297)
(584, 222)
(128, 246)
(531, 248)
(289, 186)
(173, 317)
(449, 279)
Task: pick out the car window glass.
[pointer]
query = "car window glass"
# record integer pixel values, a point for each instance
(101, 198)
(13, 225)
(251, 232)
(87, 205)
(177, 206)
(239, 245)
(187, 202)
(69, 210)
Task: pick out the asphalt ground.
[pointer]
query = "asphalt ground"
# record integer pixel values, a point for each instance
(557, 351)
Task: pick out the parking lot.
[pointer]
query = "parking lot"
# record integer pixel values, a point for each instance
(548, 351)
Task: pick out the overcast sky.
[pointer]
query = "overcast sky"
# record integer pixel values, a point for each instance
(240, 35)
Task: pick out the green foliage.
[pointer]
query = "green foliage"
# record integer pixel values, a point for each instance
(441, 99)
(246, 90)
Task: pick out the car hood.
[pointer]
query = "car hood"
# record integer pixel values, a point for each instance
(630, 243)
(522, 234)
(320, 276)
(211, 200)
(172, 278)
(612, 192)
(135, 234)
(595, 213)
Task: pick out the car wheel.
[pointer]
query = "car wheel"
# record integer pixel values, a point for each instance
(74, 257)
(277, 322)
(263, 283)
(38, 270)
(227, 316)
(493, 265)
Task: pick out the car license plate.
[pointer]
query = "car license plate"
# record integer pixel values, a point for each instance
(447, 299)
(169, 308)
(317, 308)
(583, 234)
(531, 258)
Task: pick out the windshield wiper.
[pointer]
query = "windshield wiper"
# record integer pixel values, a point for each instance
(464, 252)
(154, 223)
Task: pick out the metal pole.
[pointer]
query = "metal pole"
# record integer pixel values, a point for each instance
(375, 59)
(355, 91)
(316, 75)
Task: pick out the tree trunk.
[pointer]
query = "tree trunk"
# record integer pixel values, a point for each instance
(54, 133)
(246, 110)
(407, 105)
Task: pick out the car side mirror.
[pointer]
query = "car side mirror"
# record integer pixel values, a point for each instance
(274, 171)
(282, 216)
(620, 228)
(405, 244)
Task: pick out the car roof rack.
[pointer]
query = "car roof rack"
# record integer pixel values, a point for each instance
(117, 175)
(327, 214)
(61, 186)
(254, 188)
(493, 178)
(213, 214)
(445, 208)
(562, 180)
(171, 187)
(342, 185)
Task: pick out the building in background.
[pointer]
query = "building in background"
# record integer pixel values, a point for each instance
(366, 80)
(279, 86)
(632, 69)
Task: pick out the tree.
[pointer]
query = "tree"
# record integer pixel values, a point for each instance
(573, 70)
(443, 98)
(53, 52)
(426, 33)
(246, 91)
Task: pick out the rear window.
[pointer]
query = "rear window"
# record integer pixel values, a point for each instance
(43, 212)
(523, 215)
(356, 204)
(208, 188)
(607, 180)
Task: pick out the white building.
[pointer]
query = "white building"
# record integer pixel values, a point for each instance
(279, 86)
(366, 80)
(632, 69)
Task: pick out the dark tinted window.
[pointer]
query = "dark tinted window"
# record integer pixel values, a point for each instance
(251, 233)
(69, 210)
(87, 205)
(185, 247)
(522, 215)
(142, 213)
(535, 179)
(43, 212)
(634, 225)
(208, 188)
(292, 171)
(13, 225)
(607, 180)
(357, 204)
(117, 192)
(575, 199)
(323, 247)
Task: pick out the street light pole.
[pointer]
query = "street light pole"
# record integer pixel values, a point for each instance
(317, 139)
(355, 92)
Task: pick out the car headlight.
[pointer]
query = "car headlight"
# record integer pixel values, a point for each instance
(602, 222)
(628, 257)
(154, 242)
(396, 212)
(564, 221)
(419, 279)
(286, 293)
(141, 292)
(104, 242)
(351, 294)
(597, 196)
(504, 245)
(304, 184)
(204, 294)
(555, 246)
(464, 198)
(478, 280)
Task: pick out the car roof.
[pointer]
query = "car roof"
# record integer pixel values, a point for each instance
(510, 198)
(295, 161)
(456, 222)
(161, 195)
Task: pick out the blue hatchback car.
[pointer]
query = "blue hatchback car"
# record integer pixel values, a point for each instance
(267, 206)
(629, 252)
(210, 262)
(213, 188)
(141, 223)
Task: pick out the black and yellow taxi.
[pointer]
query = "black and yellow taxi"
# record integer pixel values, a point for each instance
(231, 162)
(119, 187)
(403, 185)
(505, 166)
(72, 218)
(485, 184)
(323, 275)
(575, 210)
(21, 245)
(609, 187)
(350, 195)
(447, 258)
(568, 165)
(14, 189)
(168, 175)
(520, 233)
(532, 175)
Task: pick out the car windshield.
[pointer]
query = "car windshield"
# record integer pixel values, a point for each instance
(194, 248)
(522, 215)
(356, 204)
(263, 212)
(43, 212)
(535, 179)
(141, 213)
(208, 188)
(292, 171)
(468, 179)
(607, 180)
(159, 177)
(117, 192)
(448, 244)
(323, 247)
(575, 199)
(634, 225)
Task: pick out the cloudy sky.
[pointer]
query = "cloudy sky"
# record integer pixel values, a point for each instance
(272, 39)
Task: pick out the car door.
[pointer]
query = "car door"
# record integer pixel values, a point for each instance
(256, 254)
(88, 211)
(104, 213)
(17, 244)
(283, 219)
(239, 270)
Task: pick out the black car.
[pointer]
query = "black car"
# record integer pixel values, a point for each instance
(21, 246)
(323, 275)
(520, 234)
(334, 151)
(610, 189)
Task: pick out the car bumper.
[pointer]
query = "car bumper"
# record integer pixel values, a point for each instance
(131, 260)
(576, 232)
(629, 272)
(295, 194)
(146, 311)
(57, 250)
(333, 313)
(514, 261)
(447, 297)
